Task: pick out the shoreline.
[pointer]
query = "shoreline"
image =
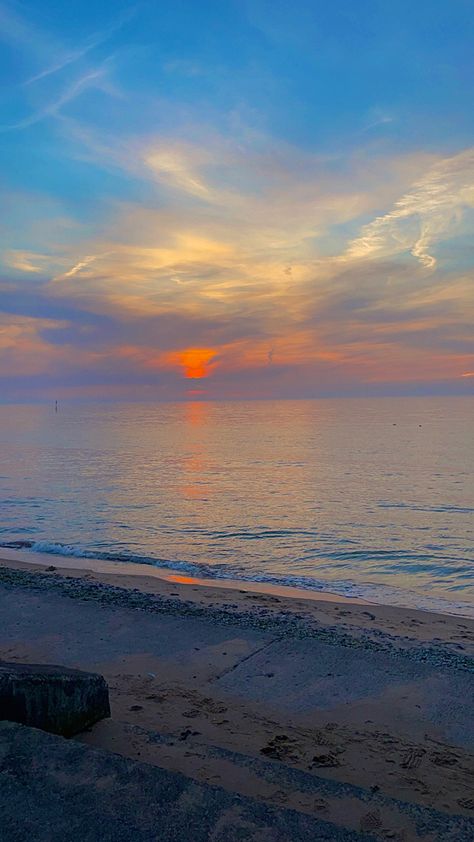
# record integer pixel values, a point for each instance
(253, 604)
(80, 565)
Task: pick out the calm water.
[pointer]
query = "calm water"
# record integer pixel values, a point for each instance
(369, 497)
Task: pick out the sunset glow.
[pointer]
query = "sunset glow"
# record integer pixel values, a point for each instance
(181, 220)
(196, 362)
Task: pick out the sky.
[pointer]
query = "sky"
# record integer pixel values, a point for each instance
(235, 199)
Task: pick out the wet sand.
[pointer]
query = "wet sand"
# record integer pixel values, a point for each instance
(202, 675)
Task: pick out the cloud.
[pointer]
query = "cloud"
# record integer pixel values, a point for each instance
(58, 83)
(261, 257)
(377, 117)
(23, 348)
(424, 216)
(253, 246)
(17, 30)
(76, 54)
(95, 78)
(25, 261)
(78, 267)
(175, 165)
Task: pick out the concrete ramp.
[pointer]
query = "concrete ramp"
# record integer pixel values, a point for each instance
(56, 790)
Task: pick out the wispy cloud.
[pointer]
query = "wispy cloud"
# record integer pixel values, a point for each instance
(377, 117)
(92, 79)
(25, 261)
(70, 57)
(19, 31)
(424, 216)
(179, 166)
(79, 266)
(61, 88)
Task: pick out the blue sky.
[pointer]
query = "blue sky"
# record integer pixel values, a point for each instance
(236, 199)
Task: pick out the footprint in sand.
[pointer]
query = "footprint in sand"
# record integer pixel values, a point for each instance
(187, 733)
(327, 760)
(280, 796)
(320, 805)
(443, 758)
(210, 706)
(371, 821)
(412, 758)
(320, 738)
(280, 748)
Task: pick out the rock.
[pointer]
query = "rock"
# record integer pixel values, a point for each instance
(57, 699)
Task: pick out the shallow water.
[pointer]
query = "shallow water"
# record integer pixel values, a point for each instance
(369, 497)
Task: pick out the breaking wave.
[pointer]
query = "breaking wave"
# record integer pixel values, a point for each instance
(370, 591)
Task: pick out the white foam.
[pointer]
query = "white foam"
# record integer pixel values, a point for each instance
(368, 591)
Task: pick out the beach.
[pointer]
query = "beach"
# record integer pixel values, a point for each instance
(236, 422)
(357, 713)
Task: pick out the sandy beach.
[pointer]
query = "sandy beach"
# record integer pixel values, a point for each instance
(367, 697)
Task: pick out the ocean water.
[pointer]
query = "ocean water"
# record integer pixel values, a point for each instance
(369, 497)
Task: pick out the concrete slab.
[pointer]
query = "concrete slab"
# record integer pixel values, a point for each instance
(302, 676)
(90, 635)
(56, 790)
(296, 676)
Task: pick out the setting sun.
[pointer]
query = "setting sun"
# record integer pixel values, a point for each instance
(196, 362)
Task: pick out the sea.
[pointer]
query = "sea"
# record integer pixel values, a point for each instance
(371, 498)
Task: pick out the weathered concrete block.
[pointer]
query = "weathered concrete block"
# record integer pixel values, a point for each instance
(56, 699)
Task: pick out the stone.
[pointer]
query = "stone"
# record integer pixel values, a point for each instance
(57, 699)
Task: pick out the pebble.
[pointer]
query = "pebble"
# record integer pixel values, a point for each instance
(285, 624)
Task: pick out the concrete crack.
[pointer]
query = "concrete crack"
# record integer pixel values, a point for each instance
(246, 658)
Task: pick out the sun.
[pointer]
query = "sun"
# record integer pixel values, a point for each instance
(196, 362)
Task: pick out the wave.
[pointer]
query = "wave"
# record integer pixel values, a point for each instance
(418, 507)
(71, 550)
(371, 591)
